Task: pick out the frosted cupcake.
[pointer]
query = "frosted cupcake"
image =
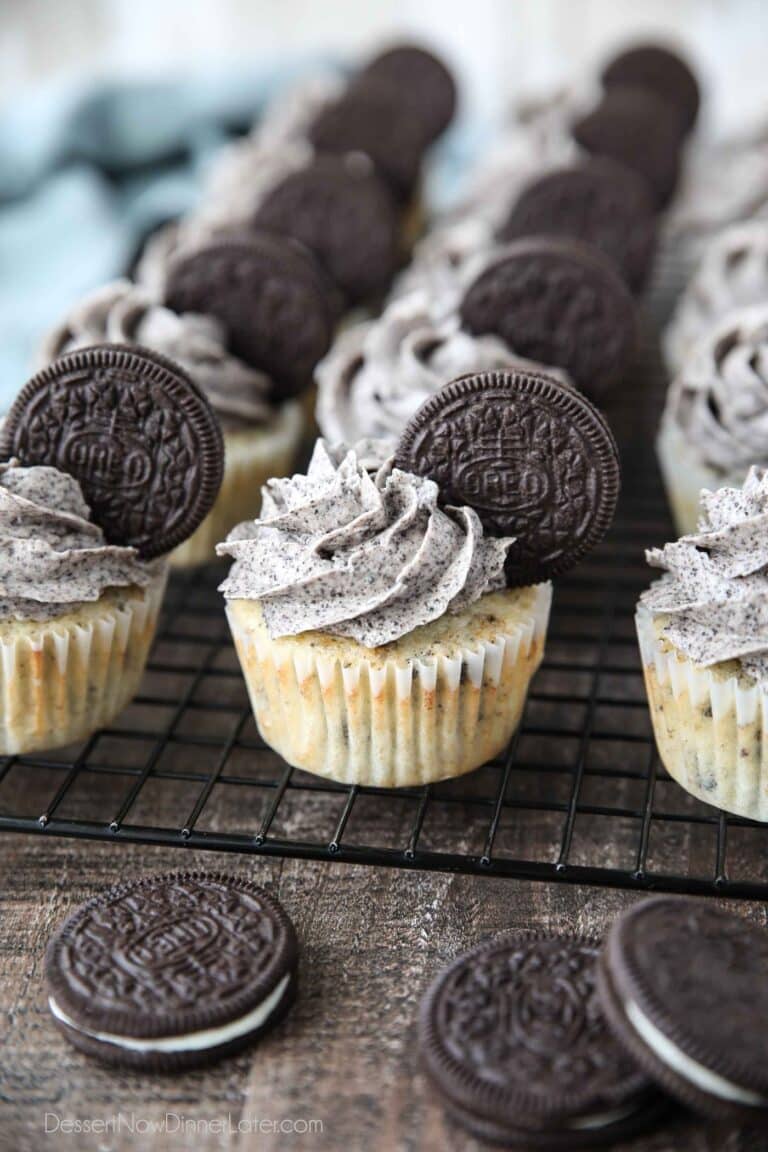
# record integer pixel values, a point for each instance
(732, 274)
(375, 632)
(715, 423)
(703, 632)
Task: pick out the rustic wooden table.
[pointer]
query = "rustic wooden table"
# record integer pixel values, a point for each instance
(341, 1071)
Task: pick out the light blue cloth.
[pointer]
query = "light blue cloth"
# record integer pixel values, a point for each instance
(85, 174)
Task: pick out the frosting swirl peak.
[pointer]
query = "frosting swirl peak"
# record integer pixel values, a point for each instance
(52, 557)
(714, 593)
(369, 556)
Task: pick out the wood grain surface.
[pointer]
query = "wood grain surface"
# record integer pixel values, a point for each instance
(345, 1057)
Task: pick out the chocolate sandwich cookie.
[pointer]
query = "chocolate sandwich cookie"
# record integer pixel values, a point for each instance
(558, 302)
(637, 128)
(419, 81)
(663, 71)
(513, 1038)
(683, 985)
(135, 432)
(172, 971)
(271, 296)
(343, 212)
(534, 458)
(367, 118)
(597, 201)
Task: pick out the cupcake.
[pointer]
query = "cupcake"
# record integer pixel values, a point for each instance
(715, 423)
(703, 632)
(350, 676)
(110, 458)
(732, 274)
(510, 308)
(250, 382)
(389, 612)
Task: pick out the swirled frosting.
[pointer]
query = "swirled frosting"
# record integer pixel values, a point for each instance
(52, 557)
(380, 372)
(732, 274)
(121, 313)
(445, 262)
(720, 399)
(369, 556)
(714, 593)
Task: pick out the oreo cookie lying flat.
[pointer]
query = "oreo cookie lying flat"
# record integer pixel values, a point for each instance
(534, 459)
(419, 81)
(172, 971)
(342, 211)
(683, 984)
(558, 302)
(134, 430)
(597, 201)
(637, 128)
(663, 71)
(270, 295)
(367, 118)
(513, 1038)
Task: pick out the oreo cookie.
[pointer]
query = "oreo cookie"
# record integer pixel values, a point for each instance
(560, 303)
(134, 430)
(597, 201)
(368, 119)
(172, 971)
(513, 1038)
(533, 457)
(683, 985)
(345, 215)
(419, 81)
(637, 128)
(661, 70)
(270, 295)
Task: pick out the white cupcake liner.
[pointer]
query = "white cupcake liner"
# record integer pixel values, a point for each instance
(62, 679)
(251, 457)
(358, 719)
(685, 474)
(711, 726)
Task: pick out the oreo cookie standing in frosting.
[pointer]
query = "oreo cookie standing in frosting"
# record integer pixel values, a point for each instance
(533, 458)
(270, 295)
(172, 971)
(558, 302)
(419, 81)
(345, 215)
(637, 128)
(597, 201)
(134, 431)
(683, 985)
(513, 1038)
(661, 70)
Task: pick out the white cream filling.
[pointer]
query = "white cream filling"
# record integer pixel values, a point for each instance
(193, 1041)
(686, 1067)
(600, 1119)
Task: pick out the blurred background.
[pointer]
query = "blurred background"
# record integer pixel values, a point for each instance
(111, 109)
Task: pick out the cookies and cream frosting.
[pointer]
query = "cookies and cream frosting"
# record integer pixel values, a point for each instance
(365, 555)
(713, 595)
(719, 402)
(53, 558)
(122, 313)
(732, 274)
(380, 372)
(445, 262)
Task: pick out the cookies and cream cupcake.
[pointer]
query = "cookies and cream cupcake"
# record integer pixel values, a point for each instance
(389, 611)
(715, 423)
(110, 457)
(732, 274)
(703, 631)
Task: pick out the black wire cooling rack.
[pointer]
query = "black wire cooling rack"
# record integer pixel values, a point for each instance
(579, 797)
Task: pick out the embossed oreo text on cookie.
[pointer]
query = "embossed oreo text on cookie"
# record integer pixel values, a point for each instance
(533, 458)
(135, 432)
(560, 303)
